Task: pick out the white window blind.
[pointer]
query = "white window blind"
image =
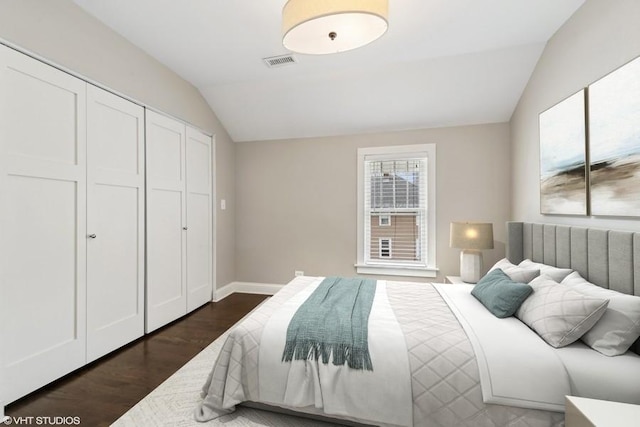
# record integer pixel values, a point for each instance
(395, 188)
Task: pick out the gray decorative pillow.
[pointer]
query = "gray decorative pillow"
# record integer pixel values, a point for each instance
(516, 273)
(558, 314)
(499, 294)
(619, 326)
(556, 273)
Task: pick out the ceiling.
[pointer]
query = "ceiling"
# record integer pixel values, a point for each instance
(441, 63)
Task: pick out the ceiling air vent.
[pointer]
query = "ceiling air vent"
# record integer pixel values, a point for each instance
(279, 61)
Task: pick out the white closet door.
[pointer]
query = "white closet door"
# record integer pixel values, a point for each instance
(115, 222)
(42, 224)
(166, 220)
(199, 205)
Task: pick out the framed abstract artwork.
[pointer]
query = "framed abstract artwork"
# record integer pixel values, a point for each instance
(614, 142)
(563, 172)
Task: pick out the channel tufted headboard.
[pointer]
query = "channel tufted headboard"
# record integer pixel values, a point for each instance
(607, 258)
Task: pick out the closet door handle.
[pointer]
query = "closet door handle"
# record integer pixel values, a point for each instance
(92, 236)
(184, 228)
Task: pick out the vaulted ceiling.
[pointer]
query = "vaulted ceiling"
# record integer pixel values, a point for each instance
(441, 63)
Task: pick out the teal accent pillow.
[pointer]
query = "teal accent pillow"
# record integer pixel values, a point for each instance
(501, 295)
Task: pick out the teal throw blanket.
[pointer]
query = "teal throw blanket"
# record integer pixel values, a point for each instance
(333, 321)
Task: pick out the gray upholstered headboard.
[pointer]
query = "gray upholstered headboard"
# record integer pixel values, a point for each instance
(607, 258)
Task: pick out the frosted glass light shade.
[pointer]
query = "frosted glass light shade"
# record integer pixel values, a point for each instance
(330, 26)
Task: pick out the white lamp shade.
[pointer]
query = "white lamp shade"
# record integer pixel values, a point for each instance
(471, 235)
(331, 26)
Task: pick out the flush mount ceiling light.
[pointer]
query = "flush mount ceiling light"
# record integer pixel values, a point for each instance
(330, 26)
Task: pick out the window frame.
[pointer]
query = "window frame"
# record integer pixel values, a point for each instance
(398, 152)
(387, 218)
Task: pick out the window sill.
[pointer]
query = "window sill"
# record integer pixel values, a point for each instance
(396, 270)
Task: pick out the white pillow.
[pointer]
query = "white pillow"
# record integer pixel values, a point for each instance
(558, 314)
(619, 326)
(555, 273)
(516, 273)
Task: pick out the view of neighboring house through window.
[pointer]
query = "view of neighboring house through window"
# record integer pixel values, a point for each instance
(395, 208)
(395, 213)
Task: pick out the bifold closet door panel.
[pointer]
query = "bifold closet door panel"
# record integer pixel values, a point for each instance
(42, 224)
(166, 220)
(115, 222)
(199, 223)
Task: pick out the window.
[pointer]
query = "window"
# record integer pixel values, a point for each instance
(384, 248)
(396, 210)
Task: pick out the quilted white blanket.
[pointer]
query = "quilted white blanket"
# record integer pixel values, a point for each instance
(444, 377)
(516, 367)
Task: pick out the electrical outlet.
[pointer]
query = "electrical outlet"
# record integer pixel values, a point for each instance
(299, 273)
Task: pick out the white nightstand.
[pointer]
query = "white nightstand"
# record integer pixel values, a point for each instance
(454, 279)
(582, 412)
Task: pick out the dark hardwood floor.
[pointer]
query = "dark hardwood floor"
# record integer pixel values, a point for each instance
(104, 390)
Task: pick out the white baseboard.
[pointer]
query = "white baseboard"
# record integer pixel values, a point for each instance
(245, 288)
(223, 292)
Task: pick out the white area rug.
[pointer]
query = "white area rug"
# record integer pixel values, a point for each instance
(173, 402)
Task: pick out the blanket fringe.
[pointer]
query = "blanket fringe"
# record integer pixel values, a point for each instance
(355, 358)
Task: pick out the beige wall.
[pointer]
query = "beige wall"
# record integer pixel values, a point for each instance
(63, 33)
(601, 36)
(296, 199)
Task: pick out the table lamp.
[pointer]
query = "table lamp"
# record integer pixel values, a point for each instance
(471, 237)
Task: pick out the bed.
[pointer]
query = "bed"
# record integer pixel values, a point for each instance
(440, 358)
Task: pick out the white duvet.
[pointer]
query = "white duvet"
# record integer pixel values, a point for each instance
(465, 366)
(517, 368)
